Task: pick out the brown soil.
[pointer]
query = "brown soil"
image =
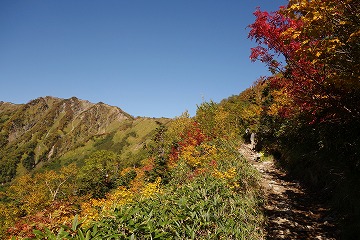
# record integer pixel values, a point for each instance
(292, 212)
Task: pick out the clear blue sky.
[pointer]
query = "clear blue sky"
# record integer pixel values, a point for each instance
(149, 57)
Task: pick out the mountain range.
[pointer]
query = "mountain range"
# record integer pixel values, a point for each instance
(53, 131)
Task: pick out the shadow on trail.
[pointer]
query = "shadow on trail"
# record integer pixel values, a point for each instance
(298, 217)
(292, 212)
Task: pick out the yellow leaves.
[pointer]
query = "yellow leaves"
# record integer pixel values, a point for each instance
(288, 32)
(29, 191)
(95, 209)
(117, 198)
(293, 7)
(209, 150)
(126, 170)
(221, 122)
(178, 126)
(317, 16)
(61, 181)
(229, 176)
(320, 21)
(354, 35)
(6, 214)
(90, 210)
(280, 100)
(335, 41)
(312, 13)
(197, 156)
(274, 110)
(151, 188)
(191, 155)
(250, 112)
(318, 96)
(298, 5)
(296, 34)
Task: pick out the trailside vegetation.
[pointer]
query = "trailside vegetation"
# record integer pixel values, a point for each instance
(310, 117)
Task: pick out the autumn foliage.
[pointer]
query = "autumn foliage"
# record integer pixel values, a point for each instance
(310, 113)
(319, 44)
(192, 180)
(186, 153)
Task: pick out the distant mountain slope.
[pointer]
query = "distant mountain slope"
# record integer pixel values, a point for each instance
(48, 128)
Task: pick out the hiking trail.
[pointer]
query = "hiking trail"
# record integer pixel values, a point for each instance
(291, 211)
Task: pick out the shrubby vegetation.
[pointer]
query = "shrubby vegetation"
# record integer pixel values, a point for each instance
(190, 185)
(188, 180)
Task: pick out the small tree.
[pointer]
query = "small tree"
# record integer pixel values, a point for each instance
(28, 160)
(100, 173)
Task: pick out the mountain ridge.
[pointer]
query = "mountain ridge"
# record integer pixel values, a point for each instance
(46, 128)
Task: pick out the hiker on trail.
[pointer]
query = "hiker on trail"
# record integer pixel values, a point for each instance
(252, 141)
(247, 136)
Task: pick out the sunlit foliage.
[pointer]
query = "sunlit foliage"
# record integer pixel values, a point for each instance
(99, 173)
(310, 106)
(320, 43)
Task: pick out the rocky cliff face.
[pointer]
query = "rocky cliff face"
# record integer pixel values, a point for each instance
(47, 127)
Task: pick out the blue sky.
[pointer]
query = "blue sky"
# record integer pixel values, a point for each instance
(154, 58)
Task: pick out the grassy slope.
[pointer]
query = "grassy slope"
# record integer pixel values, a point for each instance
(126, 139)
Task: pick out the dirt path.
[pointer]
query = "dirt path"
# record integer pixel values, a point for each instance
(291, 211)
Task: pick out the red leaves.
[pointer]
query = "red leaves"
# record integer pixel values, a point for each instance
(149, 165)
(260, 53)
(318, 40)
(269, 29)
(192, 136)
(304, 77)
